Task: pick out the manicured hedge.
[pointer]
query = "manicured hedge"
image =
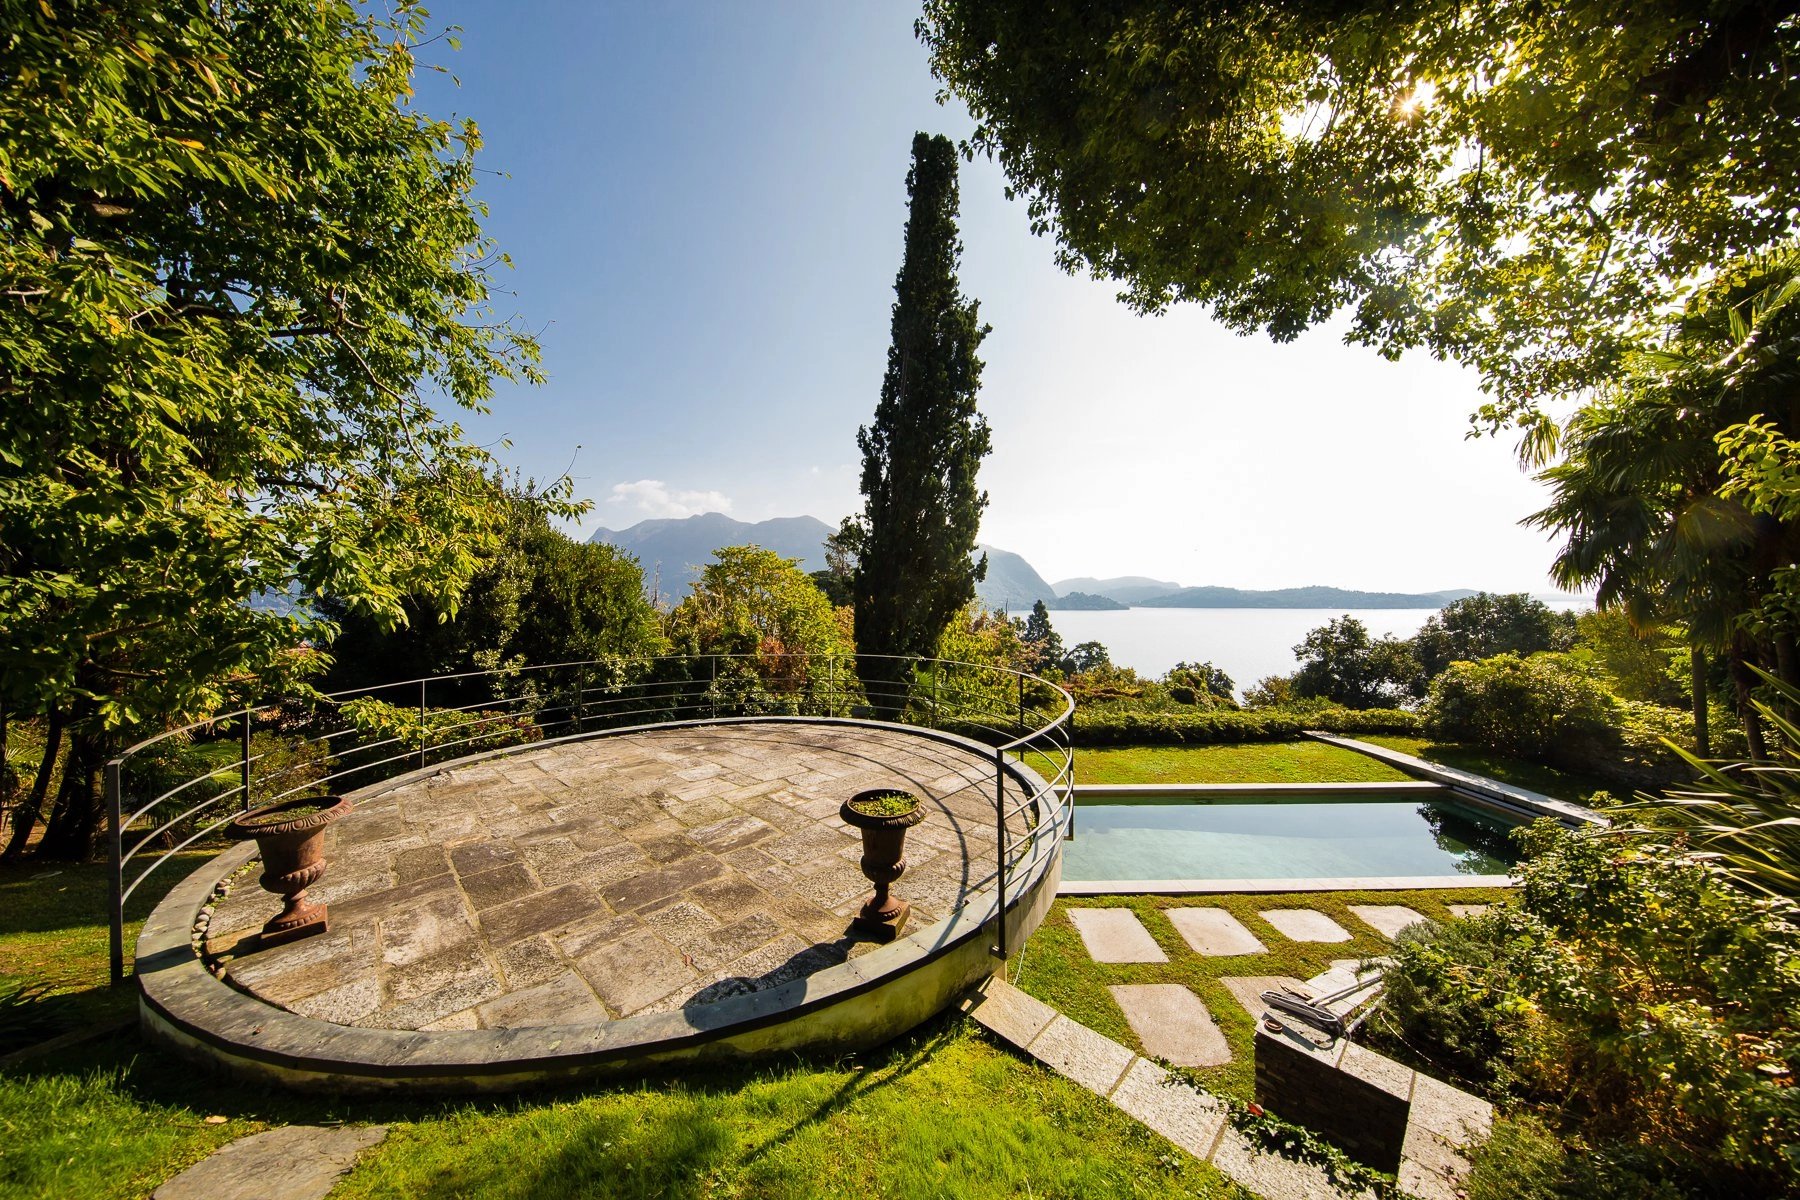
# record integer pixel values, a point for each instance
(1254, 725)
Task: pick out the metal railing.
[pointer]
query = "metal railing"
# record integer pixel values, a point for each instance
(201, 776)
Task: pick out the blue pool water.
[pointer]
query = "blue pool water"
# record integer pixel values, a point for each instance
(1285, 839)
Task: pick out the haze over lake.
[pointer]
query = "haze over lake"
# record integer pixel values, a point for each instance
(1247, 643)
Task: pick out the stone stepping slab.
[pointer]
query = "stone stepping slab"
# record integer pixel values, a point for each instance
(1386, 919)
(295, 1162)
(1463, 912)
(1304, 925)
(1345, 973)
(1214, 932)
(1115, 935)
(1172, 1023)
(1247, 990)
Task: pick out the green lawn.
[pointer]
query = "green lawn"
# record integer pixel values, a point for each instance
(942, 1112)
(1251, 762)
(1056, 967)
(1564, 785)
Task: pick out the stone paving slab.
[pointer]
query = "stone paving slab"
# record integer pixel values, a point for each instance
(1115, 935)
(1463, 912)
(1070, 1048)
(1214, 932)
(1247, 990)
(294, 1162)
(1190, 1119)
(1172, 1023)
(1386, 919)
(1304, 925)
(582, 882)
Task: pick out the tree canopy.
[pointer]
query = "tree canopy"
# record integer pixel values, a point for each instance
(237, 268)
(1522, 187)
(922, 509)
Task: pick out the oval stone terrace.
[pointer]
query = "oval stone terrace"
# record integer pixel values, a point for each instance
(637, 897)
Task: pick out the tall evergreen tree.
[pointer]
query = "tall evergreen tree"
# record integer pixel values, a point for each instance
(916, 534)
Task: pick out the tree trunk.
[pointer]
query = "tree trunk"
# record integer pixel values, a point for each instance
(1788, 671)
(1702, 734)
(80, 803)
(26, 818)
(1741, 682)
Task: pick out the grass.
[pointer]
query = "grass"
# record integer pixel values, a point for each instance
(1563, 785)
(940, 1112)
(1255, 762)
(1056, 968)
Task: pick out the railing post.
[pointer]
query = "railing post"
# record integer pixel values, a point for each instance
(581, 698)
(421, 724)
(712, 679)
(244, 766)
(115, 878)
(936, 667)
(1020, 732)
(1000, 851)
(831, 685)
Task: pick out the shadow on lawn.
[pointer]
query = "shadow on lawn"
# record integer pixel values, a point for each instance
(685, 1135)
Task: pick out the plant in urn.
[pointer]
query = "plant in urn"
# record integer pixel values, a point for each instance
(884, 815)
(290, 837)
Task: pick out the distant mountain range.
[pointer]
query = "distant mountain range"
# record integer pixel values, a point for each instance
(672, 551)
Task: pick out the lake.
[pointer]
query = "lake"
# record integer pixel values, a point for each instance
(1248, 644)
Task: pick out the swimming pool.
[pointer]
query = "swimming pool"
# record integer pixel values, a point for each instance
(1308, 837)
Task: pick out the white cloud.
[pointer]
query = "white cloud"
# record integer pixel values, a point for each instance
(654, 498)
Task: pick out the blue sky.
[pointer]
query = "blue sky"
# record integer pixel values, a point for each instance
(704, 204)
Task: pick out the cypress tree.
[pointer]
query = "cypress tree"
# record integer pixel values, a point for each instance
(916, 534)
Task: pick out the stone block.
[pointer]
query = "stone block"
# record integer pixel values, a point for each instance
(1097, 1063)
(1190, 1119)
(1115, 935)
(1386, 919)
(294, 1162)
(1352, 1111)
(1304, 925)
(1172, 1024)
(1213, 932)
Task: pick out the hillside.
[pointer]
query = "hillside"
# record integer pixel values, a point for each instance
(1011, 583)
(678, 547)
(1126, 589)
(1301, 597)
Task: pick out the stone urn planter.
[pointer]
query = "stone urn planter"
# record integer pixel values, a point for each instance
(884, 815)
(290, 837)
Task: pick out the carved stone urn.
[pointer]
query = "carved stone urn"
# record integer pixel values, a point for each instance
(884, 815)
(290, 836)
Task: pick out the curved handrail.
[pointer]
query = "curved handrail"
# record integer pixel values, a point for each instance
(1015, 712)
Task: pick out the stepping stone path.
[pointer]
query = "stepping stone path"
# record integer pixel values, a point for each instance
(1194, 1120)
(1387, 919)
(1115, 935)
(295, 1162)
(1172, 1023)
(1213, 932)
(1305, 925)
(1464, 911)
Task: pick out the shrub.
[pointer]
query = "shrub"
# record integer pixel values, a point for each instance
(1179, 728)
(1547, 706)
(1640, 1001)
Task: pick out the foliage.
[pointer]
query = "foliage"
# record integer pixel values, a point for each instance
(1656, 519)
(539, 598)
(280, 764)
(1198, 683)
(1483, 625)
(1339, 662)
(921, 509)
(1746, 816)
(1634, 996)
(1042, 640)
(1523, 1160)
(1087, 656)
(1531, 707)
(1644, 664)
(389, 729)
(774, 632)
(1514, 185)
(230, 254)
(1188, 727)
